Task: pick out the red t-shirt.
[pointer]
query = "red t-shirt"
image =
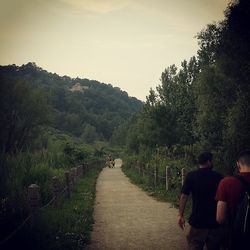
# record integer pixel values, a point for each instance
(231, 191)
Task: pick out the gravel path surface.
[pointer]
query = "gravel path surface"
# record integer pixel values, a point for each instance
(127, 218)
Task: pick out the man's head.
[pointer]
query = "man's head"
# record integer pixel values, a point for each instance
(205, 160)
(243, 161)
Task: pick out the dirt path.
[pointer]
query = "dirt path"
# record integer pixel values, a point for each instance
(127, 218)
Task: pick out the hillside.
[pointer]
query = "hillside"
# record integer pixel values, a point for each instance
(79, 107)
(50, 123)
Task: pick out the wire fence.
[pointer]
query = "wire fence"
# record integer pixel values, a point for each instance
(156, 177)
(33, 196)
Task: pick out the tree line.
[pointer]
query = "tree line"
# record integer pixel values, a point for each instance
(32, 97)
(204, 104)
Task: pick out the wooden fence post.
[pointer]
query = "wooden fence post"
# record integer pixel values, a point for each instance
(139, 167)
(56, 190)
(33, 200)
(155, 175)
(67, 181)
(183, 175)
(168, 181)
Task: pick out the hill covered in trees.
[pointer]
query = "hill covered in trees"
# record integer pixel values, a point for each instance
(78, 107)
(50, 123)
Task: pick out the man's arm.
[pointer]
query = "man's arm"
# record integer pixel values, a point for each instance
(221, 212)
(182, 205)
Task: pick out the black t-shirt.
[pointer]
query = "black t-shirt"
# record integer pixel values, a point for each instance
(202, 184)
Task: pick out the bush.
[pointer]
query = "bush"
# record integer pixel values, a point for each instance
(42, 175)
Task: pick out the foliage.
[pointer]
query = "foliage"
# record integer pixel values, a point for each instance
(67, 227)
(146, 182)
(203, 105)
(23, 111)
(89, 134)
(50, 123)
(78, 106)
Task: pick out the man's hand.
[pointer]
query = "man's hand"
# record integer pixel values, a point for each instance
(181, 222)
(183, 201)
(221, 213)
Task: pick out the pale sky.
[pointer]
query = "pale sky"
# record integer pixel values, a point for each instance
(127, 43)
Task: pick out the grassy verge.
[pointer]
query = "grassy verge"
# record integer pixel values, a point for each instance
(67, 227)
(159, 192)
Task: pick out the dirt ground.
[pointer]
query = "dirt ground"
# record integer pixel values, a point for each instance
(127, 218)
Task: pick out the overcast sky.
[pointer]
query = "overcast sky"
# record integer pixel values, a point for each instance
(127, 43)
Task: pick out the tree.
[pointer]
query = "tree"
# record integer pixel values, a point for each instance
(23, 112)
(213, 97)
(89, 134)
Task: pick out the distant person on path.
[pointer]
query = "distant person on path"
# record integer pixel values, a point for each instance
(233, 205)
(108, 161)
(202, 184)
(113, 163)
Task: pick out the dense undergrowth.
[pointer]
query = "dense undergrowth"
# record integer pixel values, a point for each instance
(60, 153)
(66, 227)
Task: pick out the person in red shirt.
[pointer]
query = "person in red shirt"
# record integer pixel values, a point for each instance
(230, 194)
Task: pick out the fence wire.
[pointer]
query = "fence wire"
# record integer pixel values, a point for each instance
(11, 235)
(15, 231)
(161, 177)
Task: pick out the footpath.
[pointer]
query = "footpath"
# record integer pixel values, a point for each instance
(127, 218)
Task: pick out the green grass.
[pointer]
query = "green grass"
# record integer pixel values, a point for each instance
(69, 225)
(159, 192)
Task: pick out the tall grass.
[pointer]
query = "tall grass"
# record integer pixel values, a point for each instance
(67, 227)
(147, 182)
(26, 168)
(36, 166)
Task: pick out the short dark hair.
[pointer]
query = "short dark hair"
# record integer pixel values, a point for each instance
(205, 157)
(244, 157)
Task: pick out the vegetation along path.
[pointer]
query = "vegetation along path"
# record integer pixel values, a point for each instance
(127, 218)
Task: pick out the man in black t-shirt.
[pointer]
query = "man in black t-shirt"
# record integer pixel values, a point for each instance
(202, 184)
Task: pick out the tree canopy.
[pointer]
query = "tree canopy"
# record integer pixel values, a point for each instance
(203, 105)
(31, 96)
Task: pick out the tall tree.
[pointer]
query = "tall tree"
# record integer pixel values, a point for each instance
(23, 111)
